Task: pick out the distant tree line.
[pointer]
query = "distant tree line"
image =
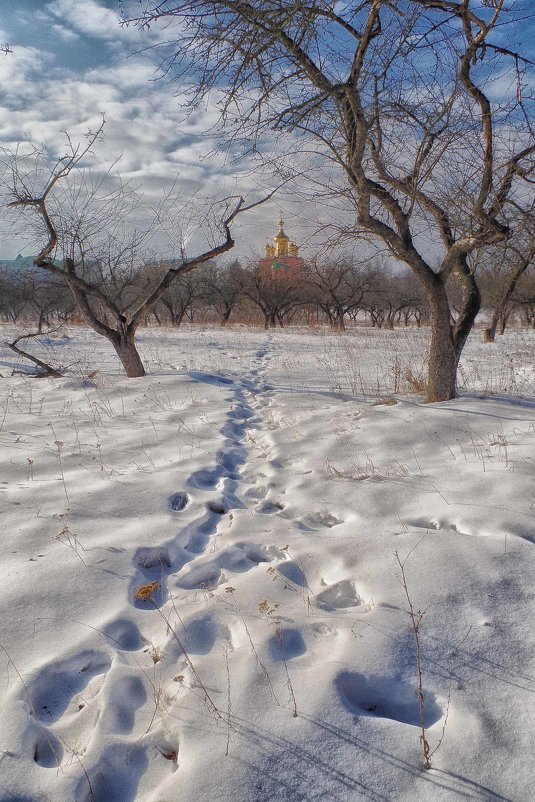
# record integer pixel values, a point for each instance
(338, 293)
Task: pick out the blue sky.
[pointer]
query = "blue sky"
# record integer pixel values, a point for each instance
(73, 62)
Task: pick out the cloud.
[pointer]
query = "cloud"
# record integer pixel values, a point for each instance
(89, 18)
(160, 148)
(66, 34)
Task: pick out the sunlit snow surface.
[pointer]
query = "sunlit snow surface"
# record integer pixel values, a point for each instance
(258, 484)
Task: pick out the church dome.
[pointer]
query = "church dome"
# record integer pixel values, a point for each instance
(281, 236)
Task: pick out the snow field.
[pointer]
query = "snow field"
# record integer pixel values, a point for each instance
(189, 555)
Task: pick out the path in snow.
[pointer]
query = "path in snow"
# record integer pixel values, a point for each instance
(85, 703)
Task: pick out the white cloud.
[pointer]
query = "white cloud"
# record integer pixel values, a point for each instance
(160, 147)
(66, 34)
(89, 18)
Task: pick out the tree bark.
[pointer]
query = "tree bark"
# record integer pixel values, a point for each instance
(126, 350)
(443, 357)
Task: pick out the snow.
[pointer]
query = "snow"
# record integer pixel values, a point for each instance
(219, 536)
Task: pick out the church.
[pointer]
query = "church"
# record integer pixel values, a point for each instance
(282, 258)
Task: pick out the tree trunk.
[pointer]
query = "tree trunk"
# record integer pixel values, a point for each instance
(443, 357)
(127, 352)
(489, 335)
(224, 316)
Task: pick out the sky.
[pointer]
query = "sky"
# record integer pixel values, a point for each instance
(71, 63)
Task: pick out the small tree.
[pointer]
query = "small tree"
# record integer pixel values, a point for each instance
(90, 248)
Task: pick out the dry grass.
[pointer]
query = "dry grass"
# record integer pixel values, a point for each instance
(146, 592)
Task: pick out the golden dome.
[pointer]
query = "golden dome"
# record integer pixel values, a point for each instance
(281, 235)
(282, 246)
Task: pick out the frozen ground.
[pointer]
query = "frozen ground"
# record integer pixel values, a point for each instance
(254, 488)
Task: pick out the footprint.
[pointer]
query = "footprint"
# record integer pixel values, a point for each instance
(123, 634)
(204, 577)
(118, 714)
(153, 561)
(258, 493)
(339, 596)
(241, 412)
(261, 554)
(242, 557)
(438, 524)
(234, 430)
(218, 507)
(232, 460)
(386, 697)
(325, 629)
(115, 776)
(289, 570)
(179, 501)
(199, 636)
(269, 507)
(286, 645)
(48, 750)
(209, 378)
(55, 689)
(205, 479)
(199, 534)
(325, 519)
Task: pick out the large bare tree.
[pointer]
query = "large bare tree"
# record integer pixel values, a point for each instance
(403, 99)
(85, 242)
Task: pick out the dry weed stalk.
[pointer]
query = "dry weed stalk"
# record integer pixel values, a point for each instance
(59, 445)
(269, 610)
(416, 617)
(226, 650)
(146, 592)
(68, 537)
(231, 591)
(416, 384)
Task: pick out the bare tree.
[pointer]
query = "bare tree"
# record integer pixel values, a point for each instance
(525, 298)
(393, 99)
(88, 247)
(337, 288)
(505, 266)
(276, 295)
(222, 290)
(178, 301)
(393, 297)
